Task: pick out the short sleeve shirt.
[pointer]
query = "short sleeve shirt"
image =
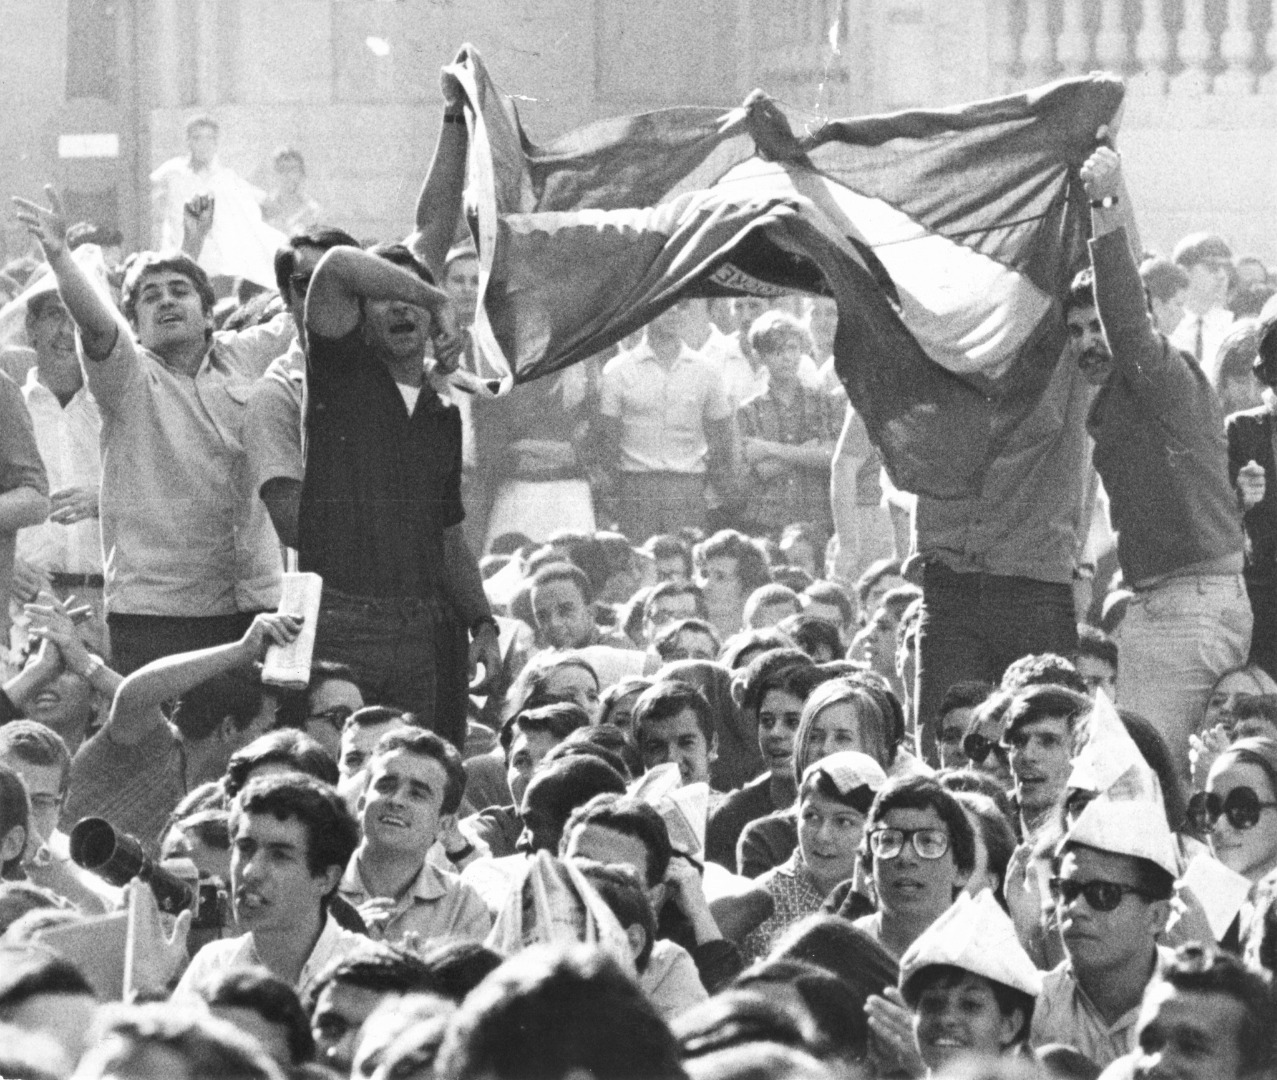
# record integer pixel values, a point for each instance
(182, 532)
(663, 410)
(381, 484)
(273, 428)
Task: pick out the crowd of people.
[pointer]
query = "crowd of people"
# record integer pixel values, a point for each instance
(722, 757)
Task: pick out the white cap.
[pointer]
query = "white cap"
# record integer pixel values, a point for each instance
(684, 809)
(849, 769)
(1135, 827)
(1110, 761)
(976, 935)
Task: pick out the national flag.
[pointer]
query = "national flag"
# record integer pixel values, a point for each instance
(945, 236)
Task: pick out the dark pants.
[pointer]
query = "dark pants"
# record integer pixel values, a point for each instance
(136, 640)
(974, 625)
(405, 652)
(1263, 638)
(648, 503)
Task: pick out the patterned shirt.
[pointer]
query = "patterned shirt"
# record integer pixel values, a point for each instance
(796, 492)
(795, 895)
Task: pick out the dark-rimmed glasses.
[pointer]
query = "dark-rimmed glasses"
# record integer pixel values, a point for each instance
(1101, 895)
(335, 716)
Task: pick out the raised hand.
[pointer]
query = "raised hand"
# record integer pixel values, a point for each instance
(197, 215)
(47, 224)
(270, 628)
(445, 333)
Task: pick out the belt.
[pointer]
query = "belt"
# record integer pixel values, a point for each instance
(77, 581)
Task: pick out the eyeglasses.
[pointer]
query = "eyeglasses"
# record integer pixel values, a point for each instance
(334, 716)
(1100, 895)
(1241, 806)
(928, 843)
(300, 282)
(977, 748)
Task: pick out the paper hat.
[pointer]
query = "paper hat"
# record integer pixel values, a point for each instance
(1135, 827)
(976, 935)
(684, 809)
(849, 769)
(13, 315)
(1110, 761)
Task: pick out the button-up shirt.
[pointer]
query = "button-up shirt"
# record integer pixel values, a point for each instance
(1214, 327)
(1064, 1014)
(436, 904)
(663, 409)
(333, 943)
(67, 437)
(183, 533)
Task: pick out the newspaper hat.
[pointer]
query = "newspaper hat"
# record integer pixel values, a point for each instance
(849, 770)
(976, 935)
(13, 315)
(1134, 827)
(560, 908)
(684, 809)
(1110, 761)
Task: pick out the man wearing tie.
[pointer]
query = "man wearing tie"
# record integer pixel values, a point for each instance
(1208, 262)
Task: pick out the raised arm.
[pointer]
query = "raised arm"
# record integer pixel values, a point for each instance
(347, 276)
(439, 204)
(137, 702)
(98, 322)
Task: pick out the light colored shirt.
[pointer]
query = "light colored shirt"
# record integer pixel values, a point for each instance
(273, 422)
(663, 410)
(1215, 325)
(741, 379)
(183, 533)
(1064, 1014)
(436, 904)
(239, 243)
(670, 980)
(67, 437)
(217, 957)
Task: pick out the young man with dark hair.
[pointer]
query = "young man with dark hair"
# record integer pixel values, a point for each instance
(669, 602)
(559, 1013)
(956, 707)
(689, 944)
(1208, 1017)
(1166, 285)
(1038, 737)
(729, 566)
(285, 749)
(265, 1007)
(686, 639)
(562, 602)
(769, 604)
(1207, 262)
(351, 988)
(524, 740)
(1042, 669)
(1114, 875)
(42, 993)
(415, 785)
(557, 789)
(193, 553)
(38, 755)
(1162, 453)
(829, 601)
(673, 722)
(291, 839)
(1096, 661)
(139, 765)
(383, 476)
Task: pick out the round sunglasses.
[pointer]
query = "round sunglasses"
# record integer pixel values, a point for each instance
(1100, 895)
(335, 716)
(928, 843)
(1241, 806)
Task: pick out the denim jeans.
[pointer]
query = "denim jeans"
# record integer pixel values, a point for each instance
(1175, 640)
(405, 652)
(974, 625)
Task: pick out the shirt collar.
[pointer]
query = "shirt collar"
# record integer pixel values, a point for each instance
(429, 884)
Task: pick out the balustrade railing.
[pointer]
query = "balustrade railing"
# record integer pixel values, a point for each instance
(1194, 47)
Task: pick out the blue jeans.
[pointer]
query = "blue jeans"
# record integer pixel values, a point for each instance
(974, 625)
(405, 652)
(1174, 642)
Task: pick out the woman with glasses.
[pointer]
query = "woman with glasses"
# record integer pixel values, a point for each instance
(833, 798)
(330, 697)
(982, 743)
(1239, 811)
(842, 714)
(921, 851)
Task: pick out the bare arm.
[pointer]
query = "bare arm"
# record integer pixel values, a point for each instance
(136, 709)
(347, 276)
(848, 459)
(439, 204)
(21, 507)
(95, 318)
(720, 437)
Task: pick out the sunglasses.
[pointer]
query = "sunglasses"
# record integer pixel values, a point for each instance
(335, 716)
(1100, 895)
(300, 282)
(1241, 806)
(977, 748)
(928, 843)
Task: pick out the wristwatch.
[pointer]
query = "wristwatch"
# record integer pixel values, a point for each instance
(482, 621)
